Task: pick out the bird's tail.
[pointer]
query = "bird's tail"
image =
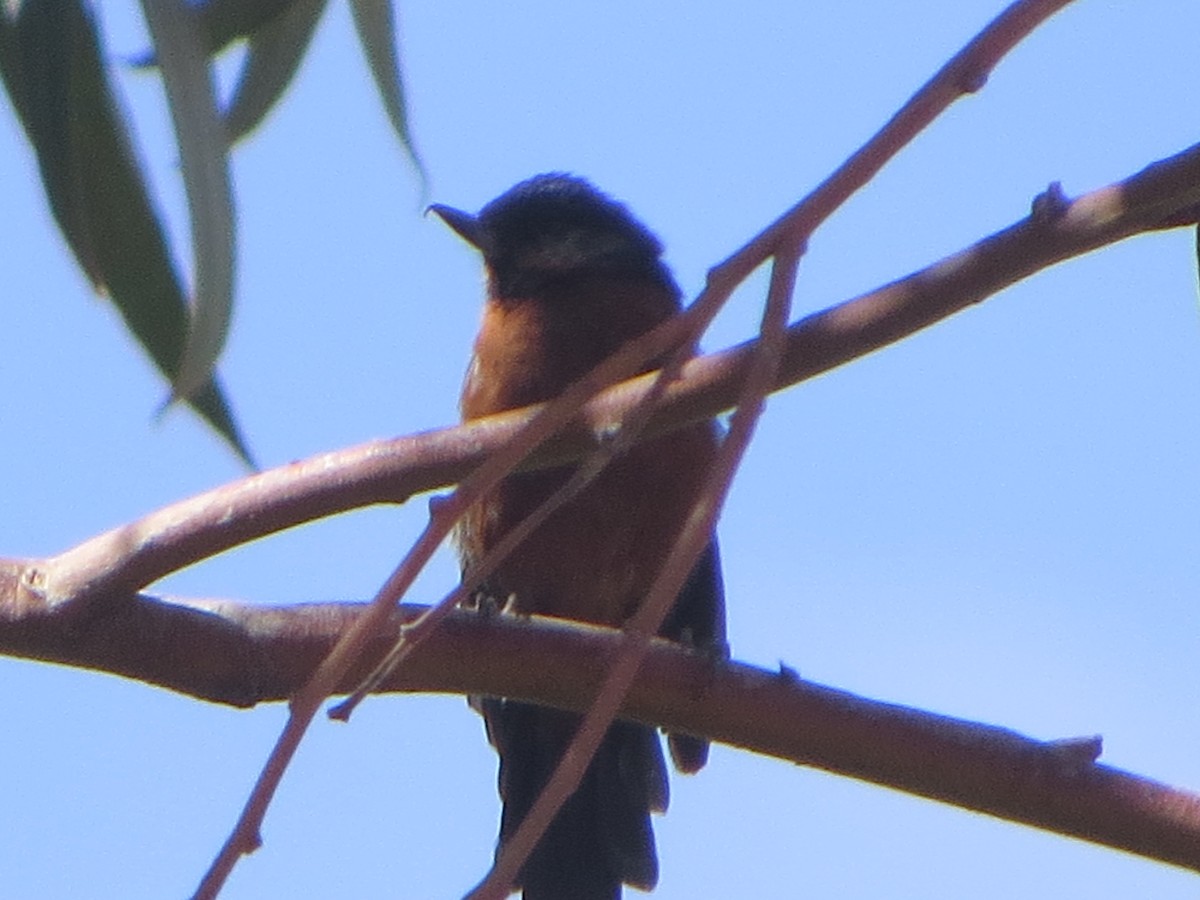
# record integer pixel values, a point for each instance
(601, 837)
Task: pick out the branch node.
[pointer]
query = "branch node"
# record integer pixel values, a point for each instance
(1050, 205)
(973, 81)
(1076, 754)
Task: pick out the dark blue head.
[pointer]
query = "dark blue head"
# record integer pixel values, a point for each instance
(553, 228)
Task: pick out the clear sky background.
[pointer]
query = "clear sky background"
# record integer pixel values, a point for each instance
(997, 519)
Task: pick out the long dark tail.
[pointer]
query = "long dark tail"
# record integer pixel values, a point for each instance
(601, 838)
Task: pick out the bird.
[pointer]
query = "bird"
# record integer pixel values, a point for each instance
(571, 276)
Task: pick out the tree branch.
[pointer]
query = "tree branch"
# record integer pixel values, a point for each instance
(240, 654)
(38, 597)
(133, 556)
(783, 242)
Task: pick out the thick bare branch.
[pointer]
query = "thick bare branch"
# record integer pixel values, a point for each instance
(241, 654)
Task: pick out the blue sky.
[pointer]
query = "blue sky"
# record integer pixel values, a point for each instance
(997, 519)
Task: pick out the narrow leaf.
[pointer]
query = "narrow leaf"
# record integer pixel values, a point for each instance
(221, 22)
(375, 22)
(191, 96)
(274, 54)
(225, 21)
(52, 68)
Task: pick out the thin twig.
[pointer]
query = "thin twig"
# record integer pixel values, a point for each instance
(965, 73)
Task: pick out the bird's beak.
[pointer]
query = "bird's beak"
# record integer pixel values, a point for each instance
(464, 224)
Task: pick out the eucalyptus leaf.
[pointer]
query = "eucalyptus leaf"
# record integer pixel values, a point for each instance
(53, 70)
(204, 162)
(375, 22)
(272, 59)
(224, 21)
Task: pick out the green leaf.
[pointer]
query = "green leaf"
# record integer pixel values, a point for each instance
(275, 51)
(52, 68)
(225, 21)
(221, 22)
(204, 162)
(376, 26)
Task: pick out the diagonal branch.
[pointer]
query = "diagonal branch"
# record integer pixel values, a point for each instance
(132, 556)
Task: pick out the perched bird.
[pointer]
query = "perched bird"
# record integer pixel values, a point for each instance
(571, 276)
